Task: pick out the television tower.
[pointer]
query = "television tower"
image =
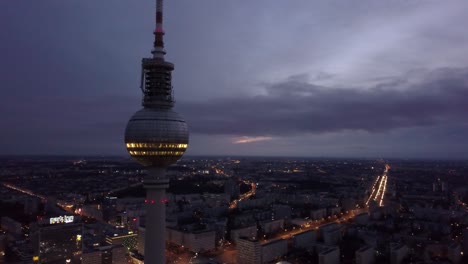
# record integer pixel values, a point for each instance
(156, 137)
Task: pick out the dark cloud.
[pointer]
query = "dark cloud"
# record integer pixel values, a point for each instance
(421, 110)
(294, 106)
(69, 74)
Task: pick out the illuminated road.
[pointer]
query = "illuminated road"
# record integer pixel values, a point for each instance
(314, 225)
(65, 207)
(25, 191)
(244, 196)
(379, 188)
(228, 254)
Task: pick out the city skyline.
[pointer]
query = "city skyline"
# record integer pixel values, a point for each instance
(331, 79)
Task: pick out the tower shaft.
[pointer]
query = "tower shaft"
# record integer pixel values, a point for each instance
(155, 234)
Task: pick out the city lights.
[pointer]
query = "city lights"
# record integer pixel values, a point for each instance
(378, 194)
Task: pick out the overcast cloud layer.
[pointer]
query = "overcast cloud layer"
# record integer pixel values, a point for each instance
(296, 106)
(301, 78)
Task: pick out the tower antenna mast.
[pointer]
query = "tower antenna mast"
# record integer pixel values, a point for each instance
(158, 47)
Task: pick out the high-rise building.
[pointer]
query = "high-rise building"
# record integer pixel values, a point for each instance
(31, 205)
(12, 227)
(305, 239)
(332, 237)
(156, 137)
(109, 209)
(252, 251)
(105, 255)
(127, 239)
(91, 257)
(274, 249)
(195, 241)
(454, 252)
(329, 255)
(365, 255)
(397, 253)
(57, 240)
(249, 251)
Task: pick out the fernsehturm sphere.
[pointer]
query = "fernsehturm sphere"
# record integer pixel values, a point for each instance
(156, 137)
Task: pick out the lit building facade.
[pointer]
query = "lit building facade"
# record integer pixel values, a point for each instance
(129, 241)
(57, 240)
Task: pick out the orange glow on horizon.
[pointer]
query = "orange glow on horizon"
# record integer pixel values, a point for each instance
(245, 139)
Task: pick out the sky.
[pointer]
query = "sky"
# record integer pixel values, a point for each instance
(335, 78)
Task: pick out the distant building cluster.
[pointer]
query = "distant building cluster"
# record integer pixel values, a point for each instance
(237, 211)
